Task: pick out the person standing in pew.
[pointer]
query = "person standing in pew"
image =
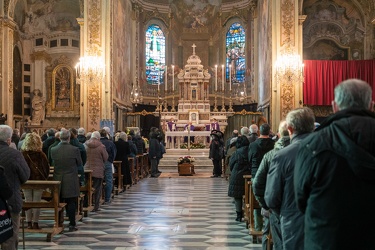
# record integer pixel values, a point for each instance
(108, 171)
(67, 160)
(17, 172)
(39, 170)
(96, 157)
(123, 151)
(74, 141)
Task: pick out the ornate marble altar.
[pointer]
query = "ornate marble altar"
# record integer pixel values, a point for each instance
(193, 104)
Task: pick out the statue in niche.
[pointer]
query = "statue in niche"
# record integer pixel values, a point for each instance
(63, 88)
(38, 104)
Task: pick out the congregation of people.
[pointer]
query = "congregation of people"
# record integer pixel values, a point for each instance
(64, 155)
(311, 180)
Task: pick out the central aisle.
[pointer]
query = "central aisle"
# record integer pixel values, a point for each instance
(160, 213)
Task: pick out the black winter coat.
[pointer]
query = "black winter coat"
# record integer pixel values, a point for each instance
(257, 150)
(239, 166)
(334, 182)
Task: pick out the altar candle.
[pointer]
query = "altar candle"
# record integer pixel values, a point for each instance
(222, 76)
(166, 77)
(173, 77)
(215, 77)
(230, 77)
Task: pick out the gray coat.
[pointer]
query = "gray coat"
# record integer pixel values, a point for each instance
(16, 171)
(66, 158)
(279, 195)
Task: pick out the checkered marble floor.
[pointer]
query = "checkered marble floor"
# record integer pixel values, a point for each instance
(158, 213)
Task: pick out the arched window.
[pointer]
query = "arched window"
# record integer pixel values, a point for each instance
(155, 55)
(235, 49)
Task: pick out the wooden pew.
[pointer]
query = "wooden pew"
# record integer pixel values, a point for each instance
(245, 199)
(119, 178)
(254, 204)
(53, 203)
(88, 190)
(131, 166)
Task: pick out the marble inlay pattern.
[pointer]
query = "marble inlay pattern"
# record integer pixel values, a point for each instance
(163, 213)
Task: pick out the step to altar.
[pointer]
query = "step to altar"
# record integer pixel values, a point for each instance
(202, 161)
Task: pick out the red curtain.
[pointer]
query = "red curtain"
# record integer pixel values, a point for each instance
(321, 77)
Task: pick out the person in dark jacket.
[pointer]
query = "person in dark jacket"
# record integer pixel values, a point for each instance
(279, 195)
(257, 150)
(67, 159)
(49, 140)
(239, 166)
(39, 170)
(55, 143)
(108, 172)
(216, 153)
(17, 172)
(334, 177)
(81, 135)
(82, 150)
(154, 153)
(123, 152)
(5, 190)
(259, 186)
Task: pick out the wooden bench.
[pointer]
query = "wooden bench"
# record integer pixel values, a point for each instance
(132, 169)
(52, 203)
(245, 199)
(86, 202)
(119, 178)
(254, 204)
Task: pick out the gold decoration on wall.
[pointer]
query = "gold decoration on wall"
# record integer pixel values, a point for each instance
(321, 111)
(287, 20)
(287, 97)
(62, 88)
(94, 103)
(10, 86)
(244, 112)
(94, 22)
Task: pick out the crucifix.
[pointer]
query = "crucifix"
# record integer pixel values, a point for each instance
(193, 48)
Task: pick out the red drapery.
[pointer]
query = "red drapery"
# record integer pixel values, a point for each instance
(321, 77)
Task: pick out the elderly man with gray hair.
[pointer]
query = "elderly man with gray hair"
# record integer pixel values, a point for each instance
(16, 172)
(67, 160)
(279, 195)
(253, 132)
(334, 176)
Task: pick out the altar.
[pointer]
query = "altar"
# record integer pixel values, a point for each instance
(193, 94)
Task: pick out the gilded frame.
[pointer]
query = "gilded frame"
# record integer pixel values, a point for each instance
(62, 88)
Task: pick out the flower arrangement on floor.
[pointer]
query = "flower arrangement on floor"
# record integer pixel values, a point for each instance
(185, 159)
(193, 145)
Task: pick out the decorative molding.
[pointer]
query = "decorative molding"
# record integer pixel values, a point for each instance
(287, 94)
(93, 98)
(10, 86)
(244, 112)
(287, 20)
(94, 16)
(40, 56)
(143, 113)
(321, 111)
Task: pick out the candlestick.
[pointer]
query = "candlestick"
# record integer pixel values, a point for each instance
(222, 77)
(230, 77)
(215, 77)
(166, 78)
(173, 77)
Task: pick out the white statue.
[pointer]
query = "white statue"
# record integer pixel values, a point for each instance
(38, 107)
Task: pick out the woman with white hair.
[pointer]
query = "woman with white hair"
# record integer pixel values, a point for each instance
(96, 156)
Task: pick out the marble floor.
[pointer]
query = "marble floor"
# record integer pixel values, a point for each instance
(158, 213)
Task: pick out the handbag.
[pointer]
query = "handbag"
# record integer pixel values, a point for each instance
(6, 225)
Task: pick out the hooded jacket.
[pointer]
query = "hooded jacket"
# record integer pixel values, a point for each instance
(334, 182)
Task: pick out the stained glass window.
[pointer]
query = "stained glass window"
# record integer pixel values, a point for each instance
(235, 51)
(155, 55)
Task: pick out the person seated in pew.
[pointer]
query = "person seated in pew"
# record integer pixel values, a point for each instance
(96, 157)
(39, 170)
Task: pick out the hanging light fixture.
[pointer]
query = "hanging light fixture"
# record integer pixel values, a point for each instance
(136, 93)
(90, 68)
(289, 67)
